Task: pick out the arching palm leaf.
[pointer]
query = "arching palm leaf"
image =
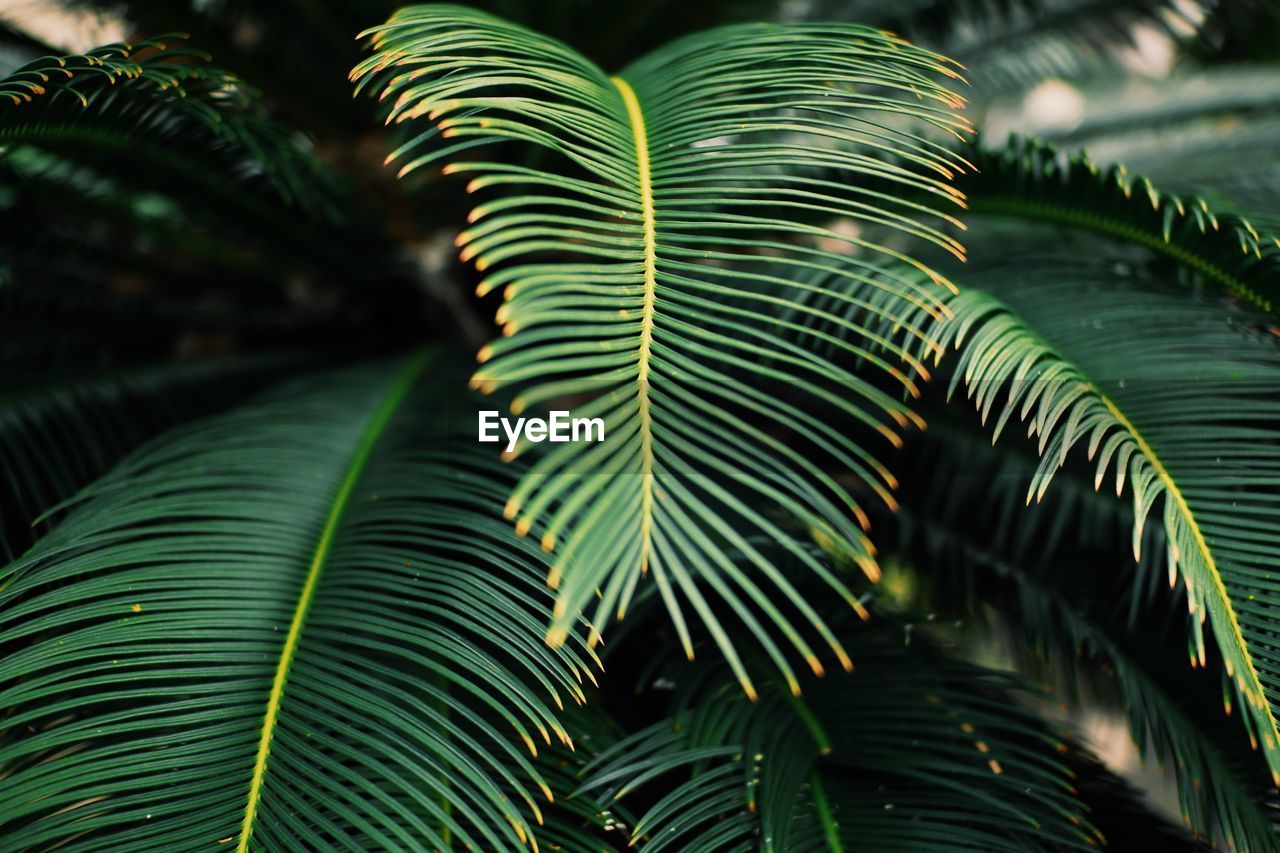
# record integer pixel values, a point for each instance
(1172, 395)
(149, 100)
(614, 264)
(159, 117)
(1154, 378)
(257, 630)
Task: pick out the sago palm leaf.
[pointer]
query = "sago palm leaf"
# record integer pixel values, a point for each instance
(656, 193)
(909, 752)
(260, 631)
(1172, 394)
(1028, 180)
(1152, 376)
(170, 121)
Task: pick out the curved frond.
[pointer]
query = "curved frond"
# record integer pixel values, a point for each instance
(259, 631)
(687, 177)
(909, 752)
(1172, 395)
(173, 119)
(1032, 181)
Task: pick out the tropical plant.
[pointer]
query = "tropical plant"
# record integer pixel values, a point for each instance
(263, 588)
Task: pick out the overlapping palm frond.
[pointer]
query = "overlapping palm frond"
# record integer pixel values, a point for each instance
(909, 752)
(154, 127)
(1142, 361)
(1033, 182)
(615, 251)
(1171, 394)
(261, 630)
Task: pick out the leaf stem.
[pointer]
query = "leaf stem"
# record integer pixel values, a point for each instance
(636, 116)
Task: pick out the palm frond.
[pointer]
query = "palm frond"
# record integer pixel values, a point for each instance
(156, 116)
(259, 630)
(1032, 181)
(909, 752)
(143, 100)
(1173, 394)
(610, 257)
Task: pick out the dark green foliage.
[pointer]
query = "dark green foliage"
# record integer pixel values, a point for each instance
(910, 749)
(257, 590)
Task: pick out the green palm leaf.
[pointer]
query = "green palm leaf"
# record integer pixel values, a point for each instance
(1032, 181)
(162, 116)
(614, 266)
(1172, 395)
(257, 630)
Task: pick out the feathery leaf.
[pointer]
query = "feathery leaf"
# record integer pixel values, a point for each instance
(653, 203)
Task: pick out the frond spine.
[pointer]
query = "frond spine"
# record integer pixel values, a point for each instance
(636, 115)
(363, 450)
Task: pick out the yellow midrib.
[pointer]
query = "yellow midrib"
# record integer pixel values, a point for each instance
(359, 458)
(1175, 494)
(636, 116)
